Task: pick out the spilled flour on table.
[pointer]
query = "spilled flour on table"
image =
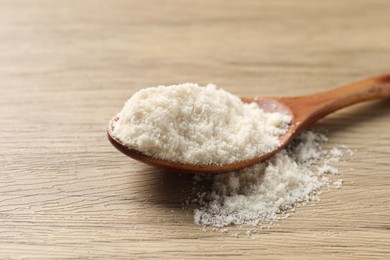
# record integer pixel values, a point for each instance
(269, 191)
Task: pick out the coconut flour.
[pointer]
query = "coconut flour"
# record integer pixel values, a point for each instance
(188, 123)
(264, 191)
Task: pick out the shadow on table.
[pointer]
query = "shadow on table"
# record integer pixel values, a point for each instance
(173, 189)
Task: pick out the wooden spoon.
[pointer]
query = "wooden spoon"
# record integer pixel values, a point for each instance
(305, 110)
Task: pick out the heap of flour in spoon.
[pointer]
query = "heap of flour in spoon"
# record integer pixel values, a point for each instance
(188, 123)
(198, 125)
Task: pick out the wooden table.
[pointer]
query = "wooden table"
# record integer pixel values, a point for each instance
(66, 67)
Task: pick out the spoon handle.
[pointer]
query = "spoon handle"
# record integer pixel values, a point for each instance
(310, 108)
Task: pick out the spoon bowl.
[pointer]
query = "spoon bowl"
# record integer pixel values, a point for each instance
(304, 110)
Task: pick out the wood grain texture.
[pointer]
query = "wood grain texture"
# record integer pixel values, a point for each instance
(66, 67)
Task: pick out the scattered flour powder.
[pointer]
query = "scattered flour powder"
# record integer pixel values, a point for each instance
(261, 192)
(188, 123)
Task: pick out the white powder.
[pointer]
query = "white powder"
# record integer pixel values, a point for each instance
(198, 125)
(259, 193)
(326, 169)
(338, 184)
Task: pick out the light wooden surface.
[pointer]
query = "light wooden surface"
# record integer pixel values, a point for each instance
(66, 67)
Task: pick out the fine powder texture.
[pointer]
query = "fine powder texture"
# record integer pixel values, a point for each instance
(188, 123)
(259, 193)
